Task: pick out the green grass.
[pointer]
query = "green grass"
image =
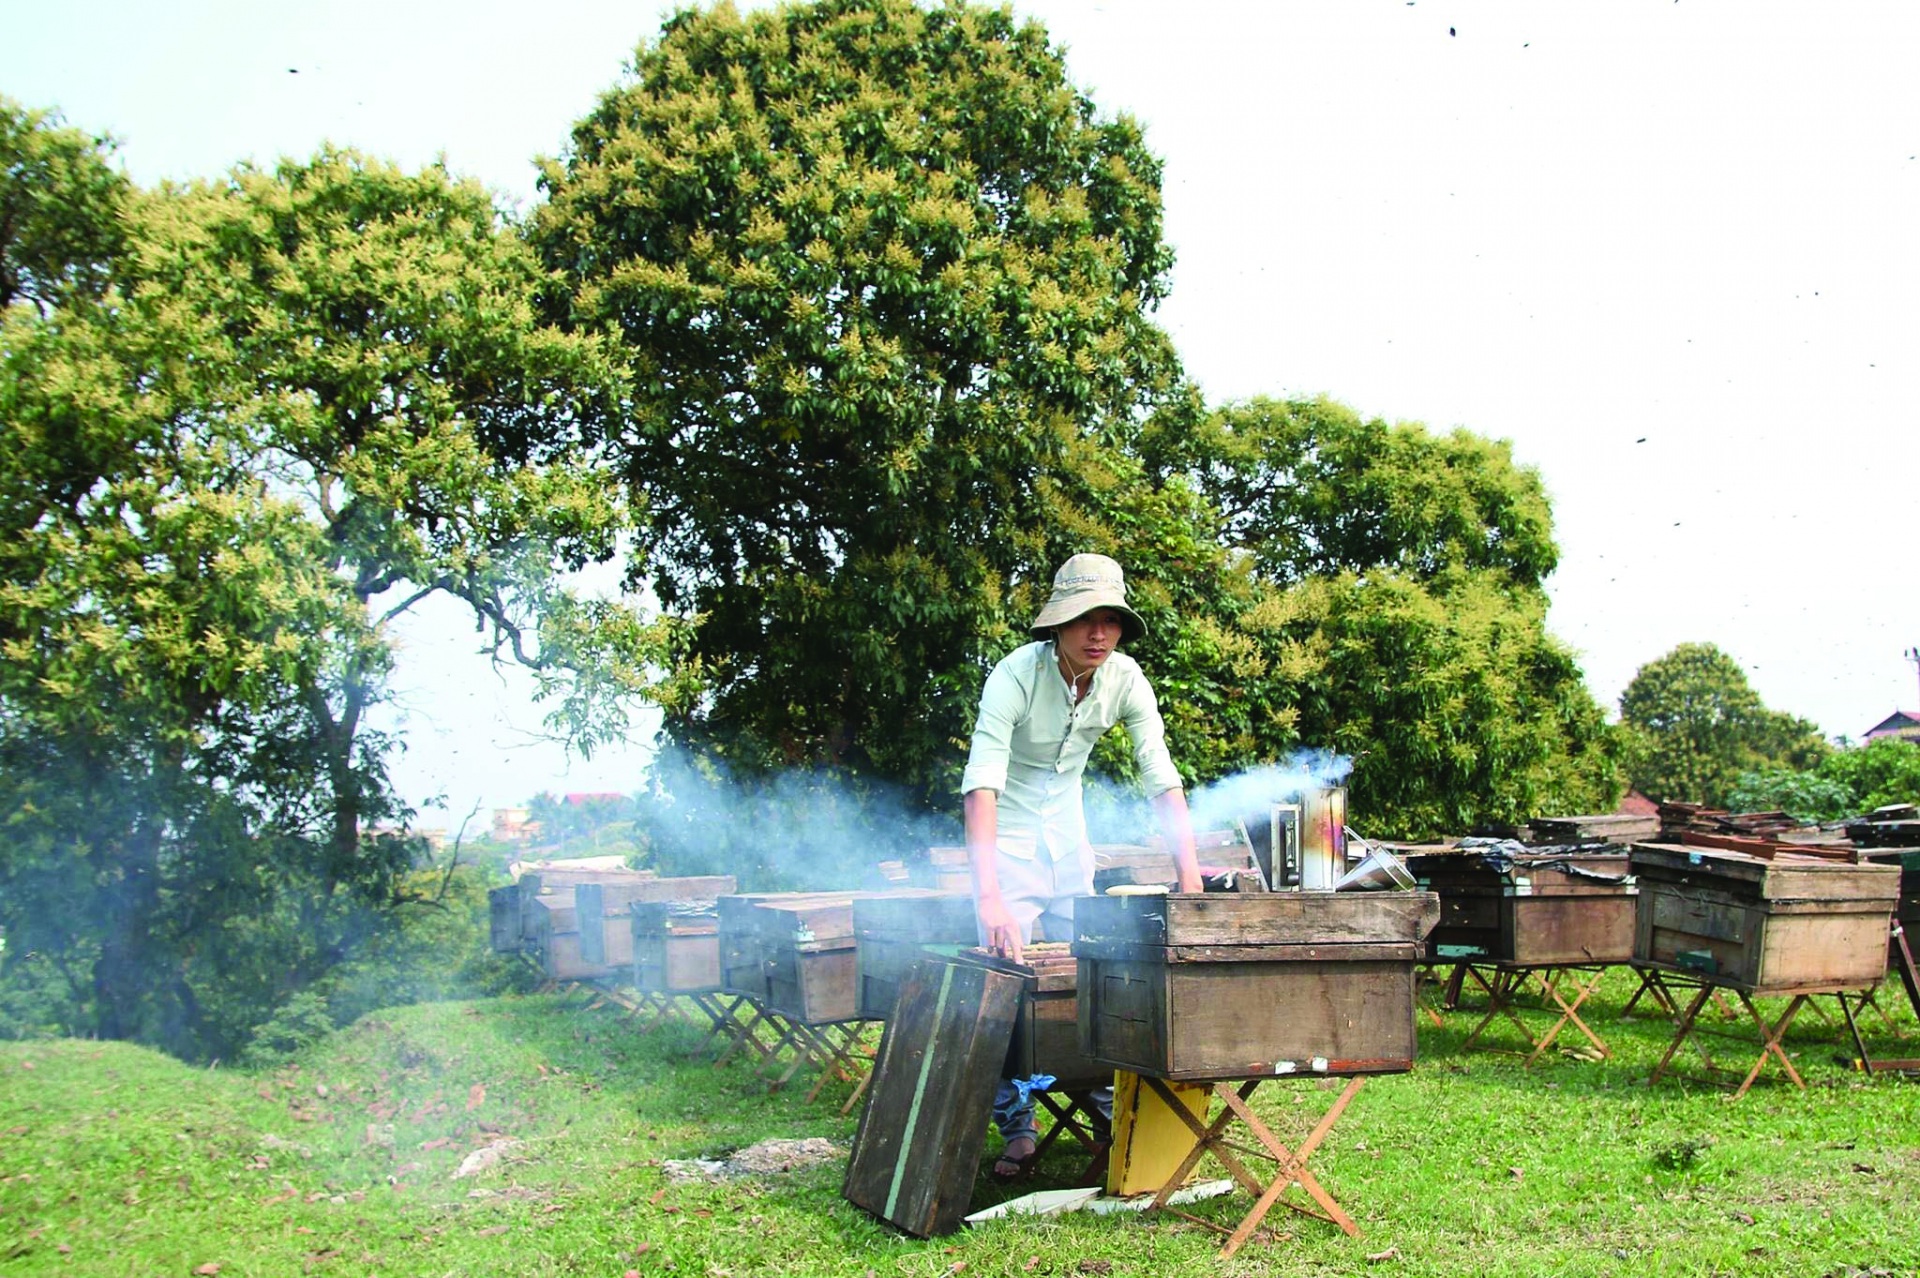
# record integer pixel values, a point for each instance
(115, 1160)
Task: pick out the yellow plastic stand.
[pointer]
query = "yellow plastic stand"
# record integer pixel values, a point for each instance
(1150, 1140)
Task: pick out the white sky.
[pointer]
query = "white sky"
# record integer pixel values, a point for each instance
(1670, 249)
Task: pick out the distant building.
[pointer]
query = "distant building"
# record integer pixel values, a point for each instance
(1900, 725)
(514, 825)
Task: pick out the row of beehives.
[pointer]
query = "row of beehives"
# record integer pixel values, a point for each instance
(1748, 913)
(1337, 975)
(1229, 985)
(596, 924)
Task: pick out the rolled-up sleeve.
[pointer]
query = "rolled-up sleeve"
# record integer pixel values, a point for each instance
(1001, 702)
(1148, 732)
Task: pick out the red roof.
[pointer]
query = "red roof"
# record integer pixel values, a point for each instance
(1637, 804)
(1900, 721)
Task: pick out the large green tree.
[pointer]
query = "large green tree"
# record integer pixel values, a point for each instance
(879, 268)
(886, 278)
(1695, 724)
(1386, 604)
(302, 400)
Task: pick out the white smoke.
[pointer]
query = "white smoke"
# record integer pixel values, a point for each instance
(811, 829)
(1226, 803)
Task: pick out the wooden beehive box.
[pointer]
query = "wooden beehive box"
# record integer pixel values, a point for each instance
(1546, 910)
(944, 870)
(549, 880)
(1046, 1032)
(555, 939)
(676, 946)
(1779, 925)
(893, 932)
(1195, 986)
(792, 952)
(1907, 908)
(743, 960)
(603, 910)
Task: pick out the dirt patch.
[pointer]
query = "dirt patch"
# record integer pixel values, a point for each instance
(768, 1158)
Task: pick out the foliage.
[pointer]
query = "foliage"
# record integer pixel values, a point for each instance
(837, 321)
(877, 268)
(36, 1001)
(1458, 708)
(586, 824)
(1695, 724)
(295, 1026)
(1805, 796)
(434, 945)
(1883, 771)
(60, 199)
(1311, 489)
(301, 401)
(1848, 782)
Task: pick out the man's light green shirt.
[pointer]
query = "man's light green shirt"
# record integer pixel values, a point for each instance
(1031, 742)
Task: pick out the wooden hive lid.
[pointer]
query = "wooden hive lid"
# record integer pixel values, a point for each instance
(1258, 918)
(1783, 876)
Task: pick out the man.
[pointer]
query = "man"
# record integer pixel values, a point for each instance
(1043, 708)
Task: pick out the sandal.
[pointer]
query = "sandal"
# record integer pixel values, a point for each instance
(1009, 1166)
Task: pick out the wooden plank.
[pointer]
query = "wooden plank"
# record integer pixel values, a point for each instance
(599, 943)
(533, 901)
(917, 1150)
(883, 965)
(1046, 1035)
(1150, 1141)
(503, 918)
(1613, 826)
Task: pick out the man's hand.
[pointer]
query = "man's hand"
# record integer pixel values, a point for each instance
(1003, 932)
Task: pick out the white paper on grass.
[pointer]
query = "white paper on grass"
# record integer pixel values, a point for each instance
(1055, 1202)
(1047, 1202)
(1179, 1198)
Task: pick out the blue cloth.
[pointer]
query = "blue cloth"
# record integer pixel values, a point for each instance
(1013, 1107)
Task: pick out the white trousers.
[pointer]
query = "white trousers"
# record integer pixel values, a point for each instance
(1039, 893)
